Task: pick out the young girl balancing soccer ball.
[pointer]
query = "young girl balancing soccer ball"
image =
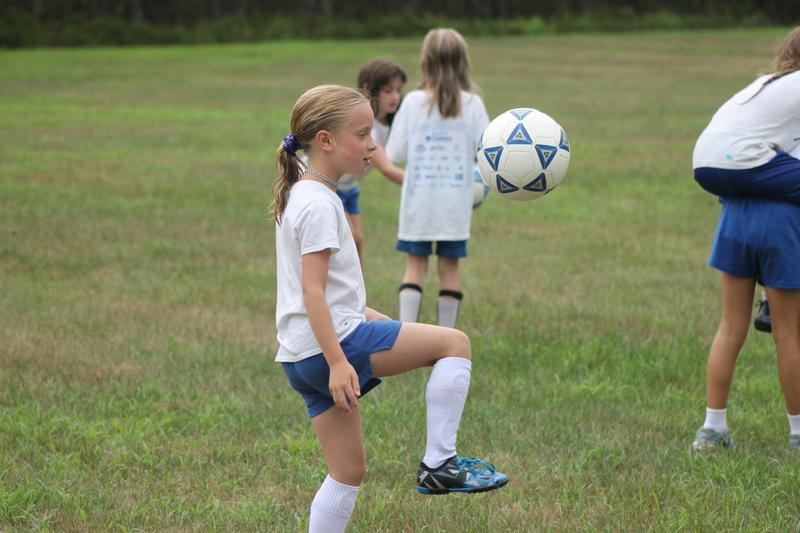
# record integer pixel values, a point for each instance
(436, 132)
(333, 348)
(383, 80)
(742, 157)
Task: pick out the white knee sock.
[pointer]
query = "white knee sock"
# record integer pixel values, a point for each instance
(332, 507)
(445, 397)
(794, 424)
(410, 297)
(715, 419)
(447, 309)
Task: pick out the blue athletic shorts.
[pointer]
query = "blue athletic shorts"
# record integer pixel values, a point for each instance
(453, 249)
(350, 200)
(759, 238)
(310, 376)
(779, 179)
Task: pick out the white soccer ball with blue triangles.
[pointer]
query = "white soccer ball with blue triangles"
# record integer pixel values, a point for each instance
(523, 154)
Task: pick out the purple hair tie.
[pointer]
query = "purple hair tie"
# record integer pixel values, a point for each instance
(290, 144)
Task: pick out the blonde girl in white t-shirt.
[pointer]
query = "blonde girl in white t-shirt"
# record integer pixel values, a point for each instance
(436, 132)
(332, 347)
(382, 80)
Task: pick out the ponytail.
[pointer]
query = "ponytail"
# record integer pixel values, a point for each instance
(289, 171)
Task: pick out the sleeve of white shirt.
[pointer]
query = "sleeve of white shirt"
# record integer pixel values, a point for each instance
(317, 228)
(397, 145)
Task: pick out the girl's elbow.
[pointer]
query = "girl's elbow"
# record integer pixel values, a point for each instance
(312, 293)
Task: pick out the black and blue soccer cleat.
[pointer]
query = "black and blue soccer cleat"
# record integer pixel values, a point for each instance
(459, 474)
(763, 320)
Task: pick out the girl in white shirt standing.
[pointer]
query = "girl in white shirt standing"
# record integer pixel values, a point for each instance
(383, 80)
(333, 348)
(745, 156)
(436, 132)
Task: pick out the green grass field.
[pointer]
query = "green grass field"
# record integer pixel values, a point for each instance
(138, 390)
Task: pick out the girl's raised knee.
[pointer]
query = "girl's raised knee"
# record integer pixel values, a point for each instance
(461, 346)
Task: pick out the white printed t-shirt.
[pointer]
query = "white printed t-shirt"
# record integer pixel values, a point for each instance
(314, 220)
(380, 134)
(436, 199)
(745, 134)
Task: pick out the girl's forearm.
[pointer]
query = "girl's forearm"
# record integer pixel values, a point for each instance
(319, 316)
(386, 167)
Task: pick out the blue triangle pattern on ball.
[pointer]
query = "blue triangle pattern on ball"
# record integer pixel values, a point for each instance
(519, 135)
(493, 156)
(564, 142)
(505, 187)
(520, 113)
(546, 154)
(539, 184)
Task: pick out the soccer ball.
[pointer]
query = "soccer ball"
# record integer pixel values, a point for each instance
(479, 188)
(523, 154)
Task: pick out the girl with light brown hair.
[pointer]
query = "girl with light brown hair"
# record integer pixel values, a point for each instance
(436, 132)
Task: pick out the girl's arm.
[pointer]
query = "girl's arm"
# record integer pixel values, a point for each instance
(343, 381)
(382, 163)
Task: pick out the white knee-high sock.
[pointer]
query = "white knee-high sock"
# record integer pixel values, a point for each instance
(410, 296)
(445, 397)
(447, 308)
(332, 507)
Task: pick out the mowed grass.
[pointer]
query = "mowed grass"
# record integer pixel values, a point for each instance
(138, 390)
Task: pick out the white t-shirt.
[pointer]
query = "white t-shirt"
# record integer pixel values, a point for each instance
(380, 134)
(314, 220)
(745, 134)
(436, 199)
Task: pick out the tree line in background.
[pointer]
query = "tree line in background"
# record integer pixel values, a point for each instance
(119, 22)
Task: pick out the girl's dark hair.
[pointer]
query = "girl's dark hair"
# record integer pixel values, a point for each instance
(376, 74)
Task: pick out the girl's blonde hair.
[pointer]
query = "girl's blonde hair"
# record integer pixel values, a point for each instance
(786, 61)
(445, 69)
(788, 58)
(325, 107)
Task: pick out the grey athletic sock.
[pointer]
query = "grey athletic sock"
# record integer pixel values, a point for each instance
(447, 308)
(410, 296)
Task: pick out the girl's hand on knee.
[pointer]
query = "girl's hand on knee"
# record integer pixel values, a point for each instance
(344, 386)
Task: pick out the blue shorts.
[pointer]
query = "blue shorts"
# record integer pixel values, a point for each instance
(779, 179)
(350, 200)
(310, 376)
(758, 238)
(453, 249)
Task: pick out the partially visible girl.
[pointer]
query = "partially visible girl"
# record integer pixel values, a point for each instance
(382, 80)
(747, 156)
